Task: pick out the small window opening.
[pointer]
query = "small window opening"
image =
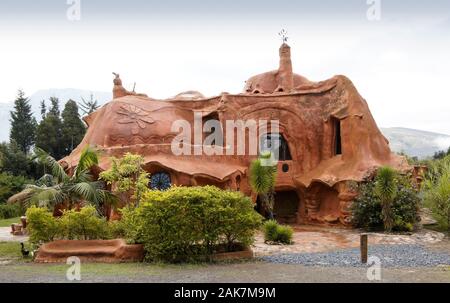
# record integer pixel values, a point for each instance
(337, 137)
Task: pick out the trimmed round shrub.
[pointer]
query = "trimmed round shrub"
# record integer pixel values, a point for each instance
(186, 224)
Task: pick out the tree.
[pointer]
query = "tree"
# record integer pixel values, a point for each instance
(73, 129)
(386, 191)
(23, 124)
(49, 133)
(43, 109)
(441, 154)
(89, 106)
(59, 188)
(13, 160)
(262, 180)
(127, 176)
(54, 109)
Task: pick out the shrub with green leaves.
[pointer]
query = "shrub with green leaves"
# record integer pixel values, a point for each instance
(126, 176)
(84, 224)
(11, 185)
(8, 211)
(437, 191)
(42, 226)
(367, 208)
(190, 224)
(276, 233)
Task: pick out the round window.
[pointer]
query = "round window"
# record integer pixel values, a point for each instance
(160, 181)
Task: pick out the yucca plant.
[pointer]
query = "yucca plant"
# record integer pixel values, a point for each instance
(386, 191)
(262, 180)
(58, 187)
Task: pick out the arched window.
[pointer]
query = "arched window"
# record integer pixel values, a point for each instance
(276, 143)
(160, 181)
(212, 123)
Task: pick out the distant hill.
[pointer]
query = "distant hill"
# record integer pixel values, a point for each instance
(416, 143)
(63, 95)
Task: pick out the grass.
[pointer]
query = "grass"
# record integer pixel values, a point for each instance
(10, 250)
(8, 222)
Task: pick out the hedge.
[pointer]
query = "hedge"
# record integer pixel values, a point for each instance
(191, 224)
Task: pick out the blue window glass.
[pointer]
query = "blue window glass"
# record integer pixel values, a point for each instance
(160, 181)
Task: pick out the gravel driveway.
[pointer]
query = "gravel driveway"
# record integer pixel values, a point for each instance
(388, 256)
(249, 272)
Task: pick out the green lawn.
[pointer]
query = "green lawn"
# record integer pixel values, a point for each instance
(8, 222)
(10, 250)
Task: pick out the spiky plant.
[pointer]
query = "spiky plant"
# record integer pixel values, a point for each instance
(262, 180)
(58, 187)
(436, 189)
(386, 190)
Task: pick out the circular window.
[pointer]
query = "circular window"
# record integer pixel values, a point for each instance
(285, 168)
(160, 181)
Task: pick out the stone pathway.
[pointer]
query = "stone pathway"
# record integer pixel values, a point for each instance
(315, 239)
(6, 236)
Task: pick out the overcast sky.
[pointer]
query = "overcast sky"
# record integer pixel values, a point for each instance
(400, 63)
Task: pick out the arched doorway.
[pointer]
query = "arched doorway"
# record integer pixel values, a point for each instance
(285, 209)
(286, 206)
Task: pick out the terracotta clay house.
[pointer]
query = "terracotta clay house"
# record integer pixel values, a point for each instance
(328, 140)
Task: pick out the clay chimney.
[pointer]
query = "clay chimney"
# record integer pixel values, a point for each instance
(285, 71)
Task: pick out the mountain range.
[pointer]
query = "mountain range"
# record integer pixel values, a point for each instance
(415, 143)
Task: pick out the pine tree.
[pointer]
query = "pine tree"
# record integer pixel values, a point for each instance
(23, 124)
(54, 109)
(43, 109)
(89, 106)
(49, 133)
(73, 129)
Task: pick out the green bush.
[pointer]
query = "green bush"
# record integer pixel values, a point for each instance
(42, 226)
(80, 225)
(190, 224)
(270, 231)
(11, 185)
(436, 190)
(84, 225)
(367, 211)
(276, 233)
(10, 211)
(284, 234)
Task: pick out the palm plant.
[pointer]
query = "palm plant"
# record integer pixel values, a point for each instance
(61, 188)
(262, 180)
(386, 190)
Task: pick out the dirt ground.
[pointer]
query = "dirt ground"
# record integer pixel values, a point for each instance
(246, 272)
